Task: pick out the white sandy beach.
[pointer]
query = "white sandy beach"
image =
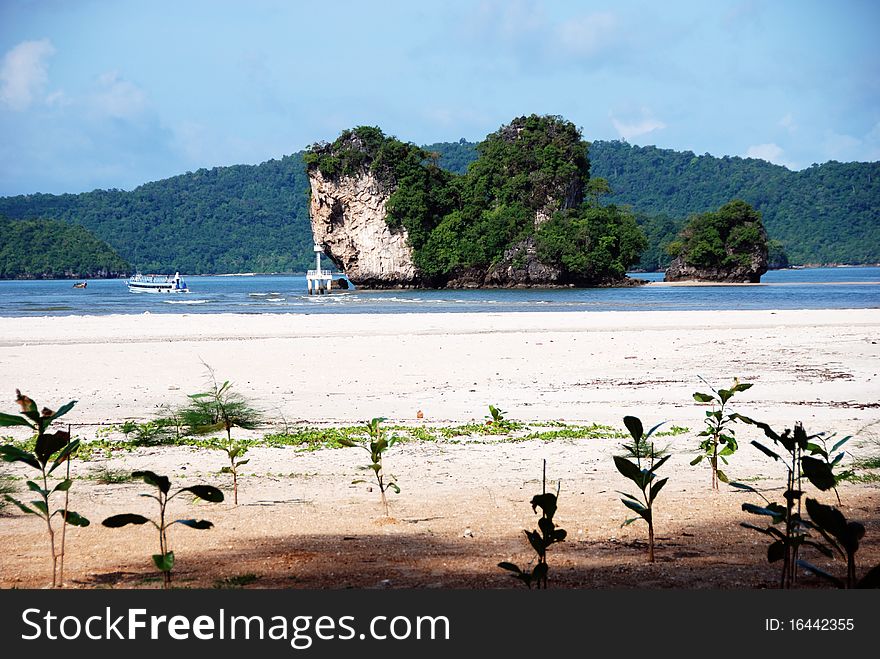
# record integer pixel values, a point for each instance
(818, 366)
(463, 504)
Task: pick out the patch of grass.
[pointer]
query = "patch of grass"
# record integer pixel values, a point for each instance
(869, 463)
(107, 476)
(238, 581)
(7, 486)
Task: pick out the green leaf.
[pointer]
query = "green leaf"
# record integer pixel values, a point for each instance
(394, 487)
(818, 472)
(117, 521)
(242, 462)
(74, 519)
(840, 443)
(809, 567)
(638, 508)
(206, 492)
(659, 464)
(64, 454)
(63, 486)
(151, 478)
(226, 470)
(721, 476)
(630, 521)
(768, 511)
(64, 409)
(829, 519)
(344, 441)
(703, 398)
(743, 486)
(50, 443)
(765, 450)
(634, 425)
(652, 430)
(629, 469)
(504, 565)
(725, 395)
(656, 487)
(546, 502)
(697, 460)
(537, 542)
(164, 563)
(358, 481)
(23, 508)
(41, 506)
(13, 420)
(33, 487)
(741, 386)
(11, 453)
(200, 524)
(776, 551)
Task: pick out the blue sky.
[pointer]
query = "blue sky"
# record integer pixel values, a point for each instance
(111, 94)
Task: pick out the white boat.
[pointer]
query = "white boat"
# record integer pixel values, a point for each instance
(157, 284)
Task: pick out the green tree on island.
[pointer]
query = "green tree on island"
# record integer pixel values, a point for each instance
(729, 244)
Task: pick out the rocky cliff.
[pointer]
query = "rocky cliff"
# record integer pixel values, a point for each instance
(348, 222)
(389, 217)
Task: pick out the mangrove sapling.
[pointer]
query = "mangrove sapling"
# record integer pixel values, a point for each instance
(164, 560)
(376, 445)
(219, 408)
(51, 450)
(234, 451)
(541, 539)
(787, 528)
(720, 437)
(643, 477)
(843, 537)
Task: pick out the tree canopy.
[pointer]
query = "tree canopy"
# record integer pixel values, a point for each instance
(33, 249)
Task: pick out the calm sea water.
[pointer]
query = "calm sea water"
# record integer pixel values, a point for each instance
(816, 288)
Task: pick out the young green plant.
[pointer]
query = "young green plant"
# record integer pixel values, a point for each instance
(376, 445)
(51, 450)
(720, 437)
(643, 477)
(788, 529)
(843, 536)
(221, 408)
(234, 451)
(541, 539)
(164, 560)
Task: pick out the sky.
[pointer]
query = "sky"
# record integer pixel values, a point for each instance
(115, 93)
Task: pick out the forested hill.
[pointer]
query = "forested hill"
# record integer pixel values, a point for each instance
(246, 218)
(824, 214)
(32, 249)
(254, 218)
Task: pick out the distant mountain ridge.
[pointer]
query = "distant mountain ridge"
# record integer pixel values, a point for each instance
(254, 218)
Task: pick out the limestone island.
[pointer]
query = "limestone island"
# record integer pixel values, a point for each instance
(726, 246)
(526, 213)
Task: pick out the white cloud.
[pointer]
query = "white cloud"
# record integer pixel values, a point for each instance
(770, 152)
(629, 129)
(23, 74)
(117, 97)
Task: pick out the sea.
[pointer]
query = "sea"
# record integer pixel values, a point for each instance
(807, 288)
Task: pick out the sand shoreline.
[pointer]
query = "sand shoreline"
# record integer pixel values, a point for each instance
(537, 365)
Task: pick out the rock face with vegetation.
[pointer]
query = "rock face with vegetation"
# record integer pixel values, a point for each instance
(728, 245)
(348, 221)
(45, 249)
(388, 215)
